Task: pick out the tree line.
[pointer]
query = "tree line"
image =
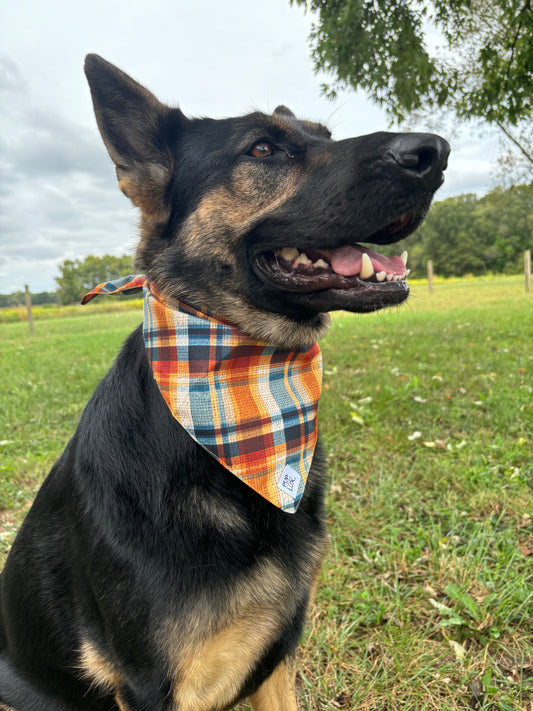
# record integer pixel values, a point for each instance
(18, 297)
(76, 278)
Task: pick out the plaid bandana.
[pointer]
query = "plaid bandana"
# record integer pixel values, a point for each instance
(251, 405)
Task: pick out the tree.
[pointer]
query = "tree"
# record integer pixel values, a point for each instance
(470, 235)
(17, 298)
(484, 70)
(77, 277)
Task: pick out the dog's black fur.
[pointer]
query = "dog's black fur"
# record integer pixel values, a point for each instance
(146, 577)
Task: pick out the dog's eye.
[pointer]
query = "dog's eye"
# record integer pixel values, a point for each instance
(261, 149)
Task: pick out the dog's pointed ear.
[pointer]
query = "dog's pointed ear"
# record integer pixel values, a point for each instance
(284, 111)
(138, 131)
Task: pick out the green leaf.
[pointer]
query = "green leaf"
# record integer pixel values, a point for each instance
(453, 621)
(454, 592)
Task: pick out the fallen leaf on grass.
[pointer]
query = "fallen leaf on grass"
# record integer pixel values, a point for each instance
(364, 401)
(526, 521)
(356, 417)
(526, 546)
(437, 444)
(514, 676)
(487, 622)
(477, 694)
(373, 650)
(459, 650)
(443, 609)
(341, 700)
(451, 447)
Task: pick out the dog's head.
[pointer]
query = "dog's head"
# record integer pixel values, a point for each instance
(258, 219)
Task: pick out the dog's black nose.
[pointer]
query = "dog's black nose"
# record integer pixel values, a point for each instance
(420, 155)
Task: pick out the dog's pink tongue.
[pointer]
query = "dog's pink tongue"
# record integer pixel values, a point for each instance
(346, 261)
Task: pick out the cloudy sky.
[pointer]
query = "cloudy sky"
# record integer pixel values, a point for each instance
(58, 196)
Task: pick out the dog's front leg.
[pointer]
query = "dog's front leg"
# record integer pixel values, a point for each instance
(278, 692)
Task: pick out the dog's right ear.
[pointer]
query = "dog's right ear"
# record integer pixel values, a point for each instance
(138, 131)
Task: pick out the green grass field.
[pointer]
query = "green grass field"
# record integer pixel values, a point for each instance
(426, 598)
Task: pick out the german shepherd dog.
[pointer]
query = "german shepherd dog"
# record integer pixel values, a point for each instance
(146, 576)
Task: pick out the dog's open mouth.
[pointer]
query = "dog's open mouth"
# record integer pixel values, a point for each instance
(342, 268)
(349, 267)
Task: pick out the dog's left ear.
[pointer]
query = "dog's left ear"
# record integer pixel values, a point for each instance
(138, 131)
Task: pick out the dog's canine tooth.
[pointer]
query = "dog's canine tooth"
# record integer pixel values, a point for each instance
(288, 253)
(380, 276)
(403, 257)
(366, 267)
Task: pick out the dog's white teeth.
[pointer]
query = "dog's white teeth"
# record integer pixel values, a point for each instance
(367, 270)
(303, 259)
(288, 253)
(297, 258)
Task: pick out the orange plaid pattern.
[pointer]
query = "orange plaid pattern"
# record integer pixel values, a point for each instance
(251, 405)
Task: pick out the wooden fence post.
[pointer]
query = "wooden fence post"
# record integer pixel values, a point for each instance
(430, 276)
(527, 268)
(28, 307)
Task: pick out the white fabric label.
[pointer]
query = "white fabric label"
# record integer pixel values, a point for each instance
(289, 481)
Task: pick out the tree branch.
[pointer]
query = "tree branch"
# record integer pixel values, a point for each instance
(525, 8)
(517, 144)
